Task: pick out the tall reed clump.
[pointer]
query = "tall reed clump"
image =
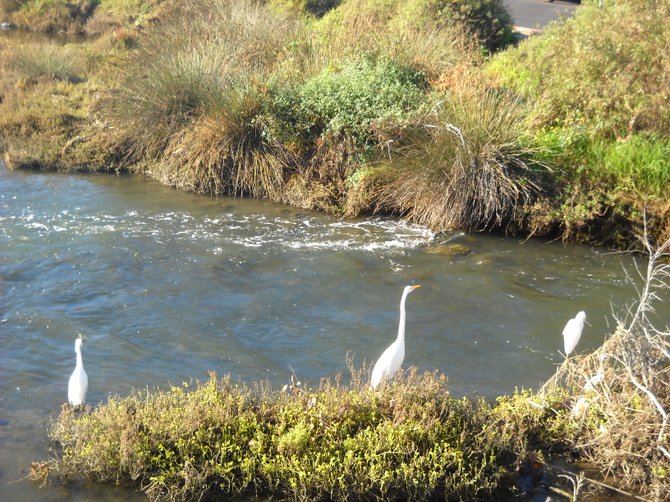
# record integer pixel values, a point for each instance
(621, 392)
(193, 97)
(463, 165)
(337, 442)
(47, 61)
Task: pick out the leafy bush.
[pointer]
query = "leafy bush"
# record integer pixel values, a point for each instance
(600, 70)
(488, 20)
(347, 98)
(409, 440)
(388, 24)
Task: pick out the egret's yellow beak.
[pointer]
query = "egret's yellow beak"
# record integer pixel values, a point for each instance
(416, 286)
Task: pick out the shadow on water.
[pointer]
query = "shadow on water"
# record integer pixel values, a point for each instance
(26, 37)
(167, 286)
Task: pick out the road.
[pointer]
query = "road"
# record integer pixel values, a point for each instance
(535, 14)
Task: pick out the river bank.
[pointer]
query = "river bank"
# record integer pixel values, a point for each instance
(406, 117)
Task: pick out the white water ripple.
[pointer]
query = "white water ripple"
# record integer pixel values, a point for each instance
(298, 232)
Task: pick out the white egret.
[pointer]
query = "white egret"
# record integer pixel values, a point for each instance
(594, 380)
(76, 389)
(391, 360)
(573, 332)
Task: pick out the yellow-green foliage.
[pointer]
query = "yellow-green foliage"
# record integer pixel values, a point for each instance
(409, 440)
(601, 88)
(402, 31)
(52, 15)
(602, 70)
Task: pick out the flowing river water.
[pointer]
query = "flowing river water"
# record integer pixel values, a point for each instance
(166, 286)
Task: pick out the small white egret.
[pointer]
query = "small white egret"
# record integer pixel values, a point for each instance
(76, 389)
(391, 360)
(573, 332)
(594, 380)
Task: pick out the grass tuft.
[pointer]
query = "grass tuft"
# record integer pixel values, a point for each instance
(465, 166)
(48, 61)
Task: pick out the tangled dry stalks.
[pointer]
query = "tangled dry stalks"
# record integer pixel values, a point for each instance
(621, 392)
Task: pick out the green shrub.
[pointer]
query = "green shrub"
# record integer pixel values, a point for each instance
(348, 98)
(600, 70)
(396, 26)
(408, 440)
(488, 20)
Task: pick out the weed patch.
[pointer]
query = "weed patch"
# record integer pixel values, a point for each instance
(411, 440)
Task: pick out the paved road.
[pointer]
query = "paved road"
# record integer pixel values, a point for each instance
(538, 13)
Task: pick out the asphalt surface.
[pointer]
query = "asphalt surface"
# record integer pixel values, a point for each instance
(535, 14)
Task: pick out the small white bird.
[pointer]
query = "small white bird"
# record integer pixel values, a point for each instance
(573, 332)
(594, 380)
(392, 358)
(76, 389)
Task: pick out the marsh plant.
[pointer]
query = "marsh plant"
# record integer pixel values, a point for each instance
(464, 166)
(48, 61)
(336, 441)
(619, 394)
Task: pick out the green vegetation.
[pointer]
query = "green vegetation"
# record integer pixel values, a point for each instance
(409, 440)
(601, 88)
(418, 108)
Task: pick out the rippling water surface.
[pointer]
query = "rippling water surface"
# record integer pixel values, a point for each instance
(167, 286)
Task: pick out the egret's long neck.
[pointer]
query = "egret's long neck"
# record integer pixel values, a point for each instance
(80, 361)
(401, 324)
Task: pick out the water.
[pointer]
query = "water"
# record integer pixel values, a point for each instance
(167, 286)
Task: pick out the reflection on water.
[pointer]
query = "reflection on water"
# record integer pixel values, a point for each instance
(167, 286)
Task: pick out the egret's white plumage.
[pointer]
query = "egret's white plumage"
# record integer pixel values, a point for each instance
(391, 360)
(573, 332)
(592, 382)
(76, 389)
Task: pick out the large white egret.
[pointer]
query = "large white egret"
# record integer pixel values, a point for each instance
(573, 332)
(391, 360)
(76, 389)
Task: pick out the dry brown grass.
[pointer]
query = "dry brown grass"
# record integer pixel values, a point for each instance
(624, 415)
(464, 167)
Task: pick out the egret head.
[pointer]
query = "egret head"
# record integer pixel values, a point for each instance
(581, 316)
(77, 344)
(409, 289)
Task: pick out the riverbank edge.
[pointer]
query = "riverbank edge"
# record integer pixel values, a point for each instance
(329, 177)
(600, 221)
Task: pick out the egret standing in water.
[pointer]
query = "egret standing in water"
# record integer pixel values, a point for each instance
(573, 332)
(76, 389)
(391, 360)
